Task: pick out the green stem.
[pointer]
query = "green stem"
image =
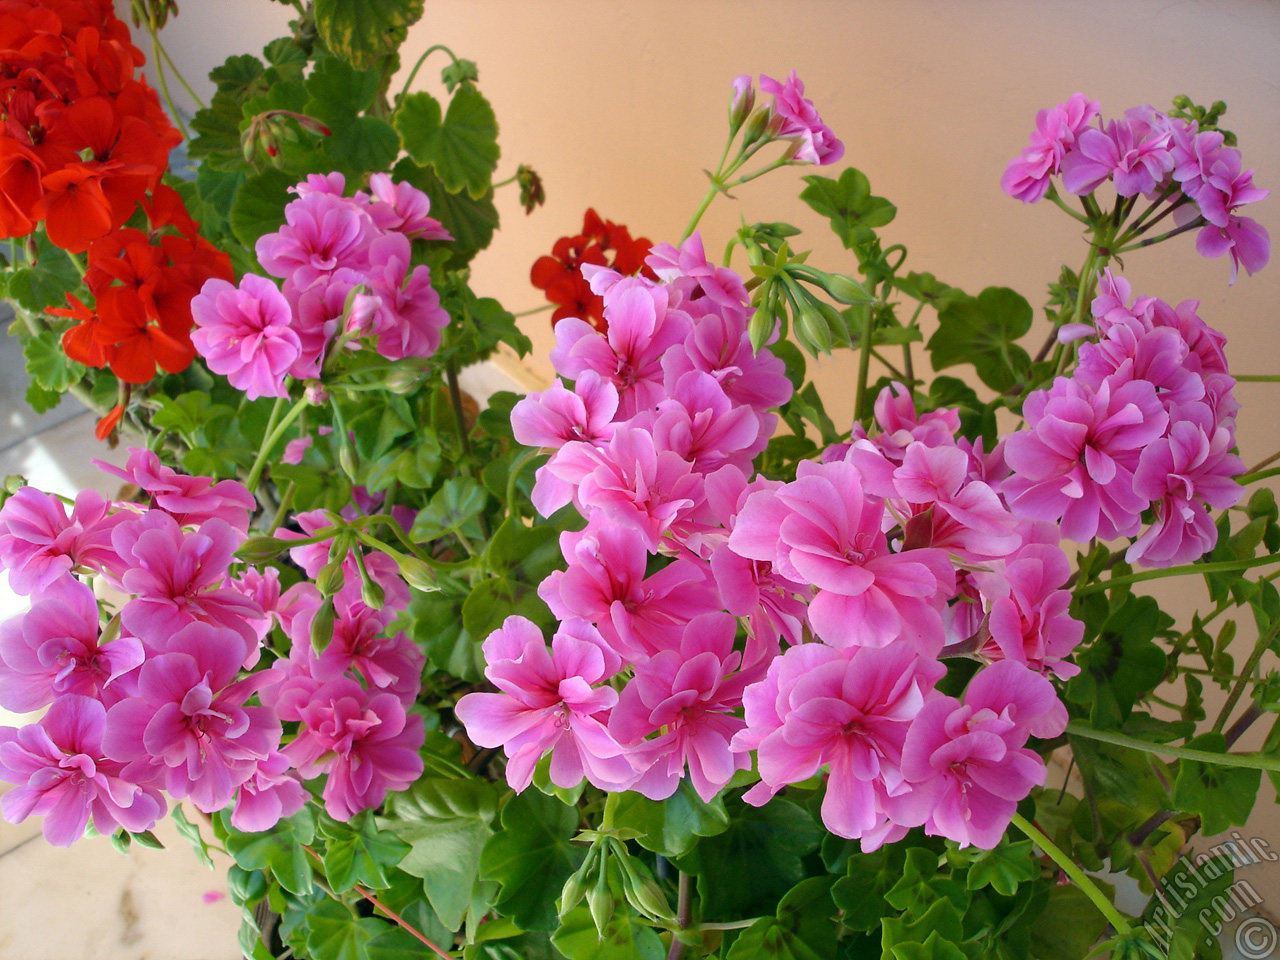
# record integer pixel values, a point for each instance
(1257, 377)
(178, 73)
(286, 502)
(697, 214)
(1264, 463)
(1220, 566)
(684, 914)
(164, 82)
(1078, 876)
(529, 313)
(272, 438)
(1052, 197)
(1247, 761)
(514, 475)
(1246, 675)
(418, 66)
(1249, 478)
(864, 366)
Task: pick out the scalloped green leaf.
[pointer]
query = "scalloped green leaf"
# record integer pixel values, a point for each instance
(362, 31)
(461, 146)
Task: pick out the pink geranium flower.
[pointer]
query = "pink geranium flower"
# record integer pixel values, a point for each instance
(272, 793)
(322, 233)
(800, 121)
(408, 317)
(189, 720)
(54, 650)
(189, 500)
(688, 696)
(61, 772)
(402, 208)
(1027, 177)
(821, 529)
(246, 334)
(967, 763)
(548, 703)
(363, 740)
(40, 543)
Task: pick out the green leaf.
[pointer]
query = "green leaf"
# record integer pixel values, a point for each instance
(849, 204)
(1003, 868)
(446, 824)
(239, 77)
(460, 499)
(621, 939)
(981, 330)
(671, 827)
(48, 365)
(860, 894)
(47, 281)
(360, 144)
(1069, 926)
(279, 850)
(459, 71)
(336, 89)
(437, 628)
(41, 400)
(363, 31)
(259, 205)
(1122, 665)
(334, 933)
(532, 857)
(746, 870)
(188, 412)
(358, 852)
(471, 222)
(462, 146)
(191, 832)
(1223, 796)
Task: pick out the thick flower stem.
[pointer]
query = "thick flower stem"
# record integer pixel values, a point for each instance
(1078, 876)
(684, 913)
(1247, 761)
(864, 365)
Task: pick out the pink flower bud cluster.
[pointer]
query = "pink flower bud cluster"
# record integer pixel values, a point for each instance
(1146, 421)
(152, 694)
(331, 250)
(1166, 159)
(708, 613)
(791, 116)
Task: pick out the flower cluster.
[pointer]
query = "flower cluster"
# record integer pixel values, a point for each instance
(1146, 421)
(560, 274)
(155, 695)
(850, 584)
(84, 140)
(348, 272)
(142, 285)
(1164, 158)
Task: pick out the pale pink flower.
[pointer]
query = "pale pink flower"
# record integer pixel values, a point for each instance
(54, 649)
(1027, 176)
(402, 208)
(321, 234)
(272, 793)
(40, 543)
(800, 121)
(408, 318)
(821, 529)
(61, 773)
(1134, 152)
(246, 334)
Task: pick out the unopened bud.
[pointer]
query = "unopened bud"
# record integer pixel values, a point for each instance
(403, 379)
(347, 460)
(812, 329)
(331, 578)
(372, 594)
(845, 289)
(600, 899)
(322, 626)
(744, 98)
(755, 127)
(260, 549)
(417, 574)
(315, 393)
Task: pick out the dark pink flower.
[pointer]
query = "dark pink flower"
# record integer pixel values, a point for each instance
(272, 793)
(402, 208)
(1134, 152)
(61, 773)
(189, 720)
(688, 696)
(322, 233)
(189, 500)
(408, 317)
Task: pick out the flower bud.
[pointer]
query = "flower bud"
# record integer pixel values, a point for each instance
(417, 574)
(347, 461)
(322, 626)
(331, 578)
(812, 329)
(600, 899)
(755, 126)
(260, 549)
(744, 98)
(315, 393)
(402, 380)
(372, 594)
(845, 289)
